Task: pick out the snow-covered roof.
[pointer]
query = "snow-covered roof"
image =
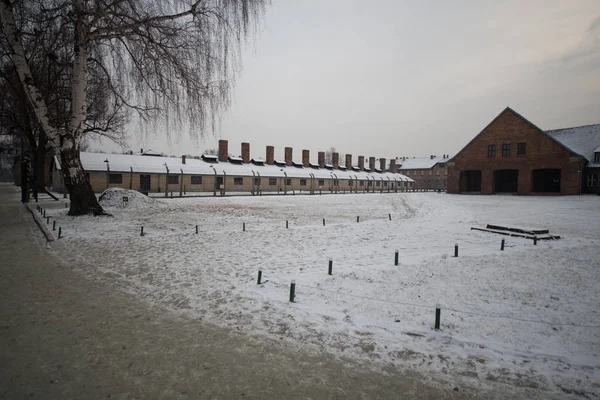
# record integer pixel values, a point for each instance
(236, 159)
(420, 162)
(583, 140)
(158, 165)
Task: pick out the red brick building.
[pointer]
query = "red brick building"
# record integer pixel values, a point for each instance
(512, 155)
(429, 173)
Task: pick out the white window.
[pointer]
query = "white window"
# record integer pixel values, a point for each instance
(592, 180)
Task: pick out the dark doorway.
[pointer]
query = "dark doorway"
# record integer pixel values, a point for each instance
(144, 183)
(470, 181)
(506, 181)
(218, 182)
(545, 180)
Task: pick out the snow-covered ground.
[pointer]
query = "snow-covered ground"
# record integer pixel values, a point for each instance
(527, 316)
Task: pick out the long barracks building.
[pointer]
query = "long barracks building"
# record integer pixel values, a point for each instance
(220, 174)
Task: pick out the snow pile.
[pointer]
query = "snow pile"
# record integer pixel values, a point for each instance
(113, 197)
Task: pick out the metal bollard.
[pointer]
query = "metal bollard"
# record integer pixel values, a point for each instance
(292, 290)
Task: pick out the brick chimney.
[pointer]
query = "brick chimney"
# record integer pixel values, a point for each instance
(183, 159)
(361, 163)
(372, 163)
(223, 150)
(270, 155)
(382, 164)
(246, 152)
(305, 158)
(393, 169)
(349, 161)
(288, 156)
(335, 160)
(322, 159)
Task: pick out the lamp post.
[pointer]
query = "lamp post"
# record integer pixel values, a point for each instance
(107, 173)
(167, 183)
(215, 183)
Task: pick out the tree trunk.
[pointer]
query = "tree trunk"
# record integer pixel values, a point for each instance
(83, 199)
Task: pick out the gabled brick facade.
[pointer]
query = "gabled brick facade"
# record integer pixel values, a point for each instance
(546, 167)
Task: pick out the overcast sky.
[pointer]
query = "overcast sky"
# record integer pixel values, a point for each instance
(389, 78)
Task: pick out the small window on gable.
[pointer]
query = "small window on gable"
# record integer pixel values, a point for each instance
(597, 157)
(492, 150)
(115, 178)
(506, 150)
(521, 149)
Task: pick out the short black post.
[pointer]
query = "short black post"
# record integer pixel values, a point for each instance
(259, 276)
(244, 227)
(330, 267)
(292, 290)
(502, 245)
(438, 314)
(286, 224)
(47, 220)
(59, 232)
(390, 216)
(44, 213)
(396, 257)
(54, 225)
(142, 231)
(196, 229)
(323, 221)
(357, 219)
(535, 240)
(456, 250)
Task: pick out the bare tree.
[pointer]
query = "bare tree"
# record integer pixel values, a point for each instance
(163, 60)
(329, 155)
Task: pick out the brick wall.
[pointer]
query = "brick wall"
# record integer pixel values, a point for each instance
(541, 152)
